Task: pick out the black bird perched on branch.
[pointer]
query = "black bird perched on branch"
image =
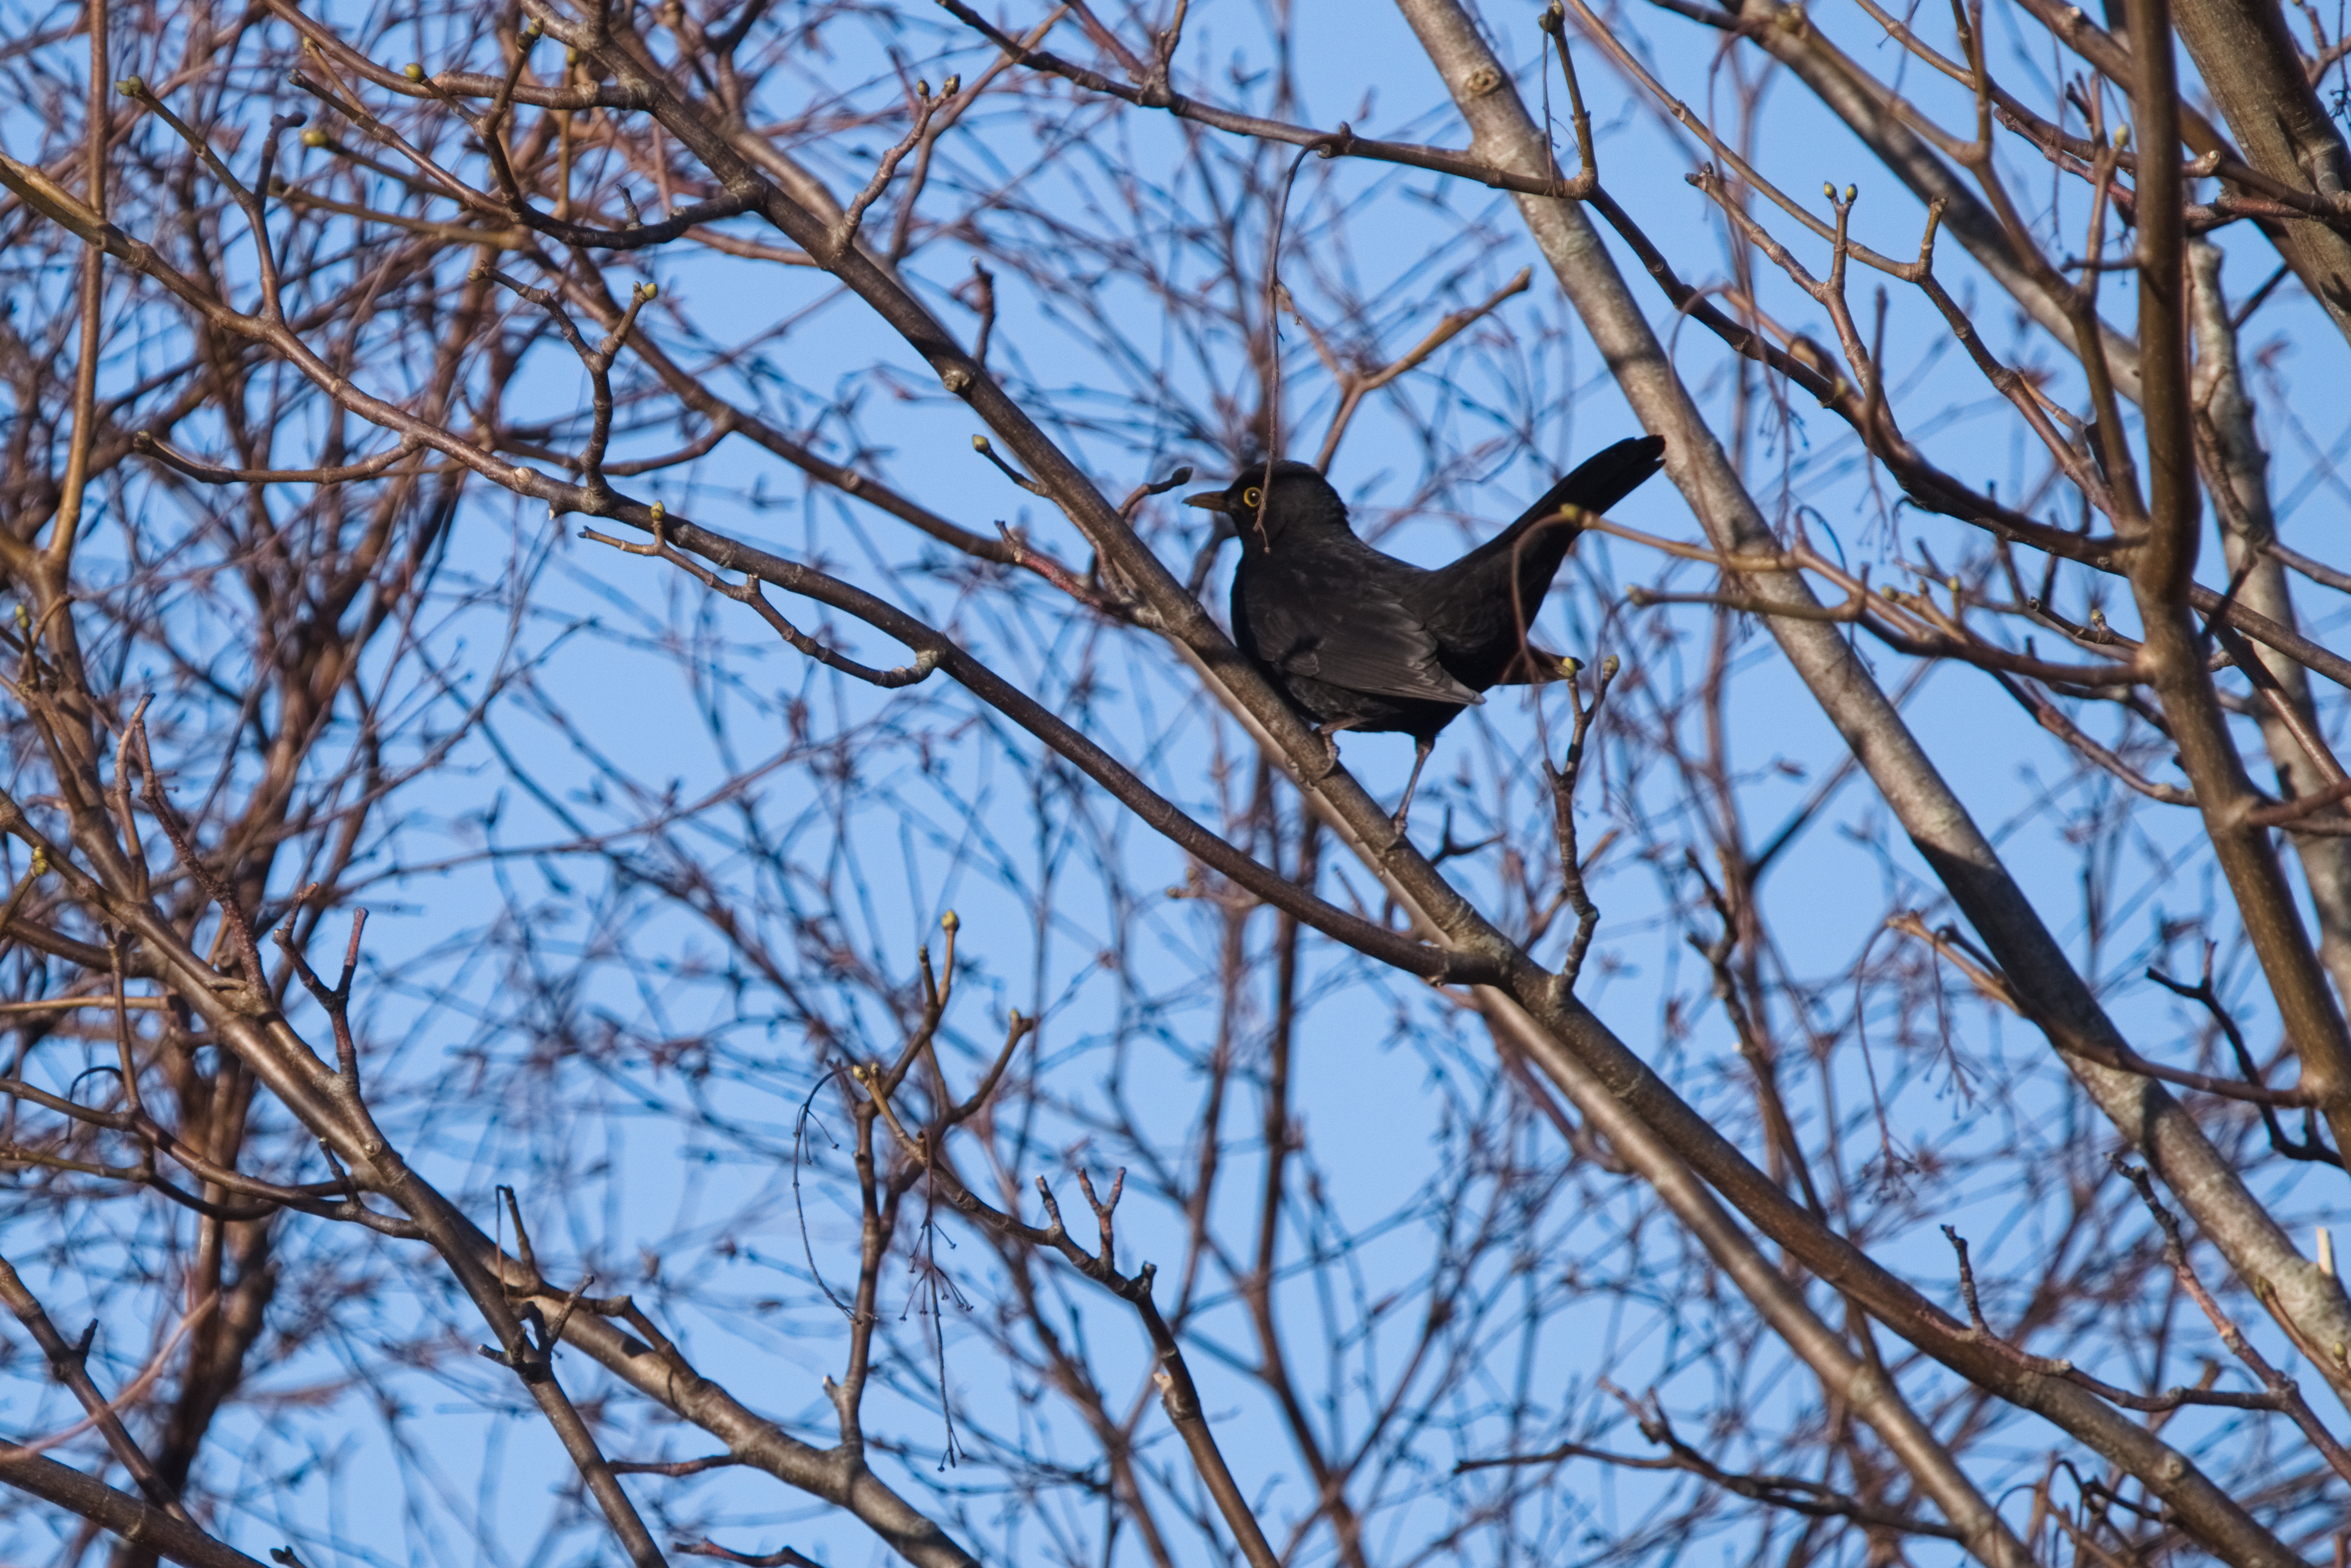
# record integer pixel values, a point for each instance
(1359, 639)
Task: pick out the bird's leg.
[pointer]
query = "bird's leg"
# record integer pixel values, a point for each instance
(1421, 747)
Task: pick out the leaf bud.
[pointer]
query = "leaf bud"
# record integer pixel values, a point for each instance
(131, 87)
(412, 71)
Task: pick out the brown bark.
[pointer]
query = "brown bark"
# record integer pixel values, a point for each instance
(2249, 63)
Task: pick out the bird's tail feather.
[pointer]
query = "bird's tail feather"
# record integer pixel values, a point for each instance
(1599, 482)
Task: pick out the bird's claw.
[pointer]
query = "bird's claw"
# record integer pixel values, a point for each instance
(1329, 735)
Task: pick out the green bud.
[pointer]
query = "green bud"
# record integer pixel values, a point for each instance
(314, 138)
(131, 87)
(412, 71)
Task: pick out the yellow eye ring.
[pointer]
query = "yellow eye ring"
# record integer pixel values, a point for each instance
(1252, 495)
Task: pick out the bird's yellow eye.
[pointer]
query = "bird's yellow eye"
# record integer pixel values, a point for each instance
(1252, 495)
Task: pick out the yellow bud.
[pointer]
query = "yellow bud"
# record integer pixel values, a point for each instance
(949, 924)
(314, 137)
(412, 71)
(131, 87)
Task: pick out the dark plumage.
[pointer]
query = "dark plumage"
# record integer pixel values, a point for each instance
(1359, 639)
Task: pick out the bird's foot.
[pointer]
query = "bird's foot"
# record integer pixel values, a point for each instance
(1329, 734)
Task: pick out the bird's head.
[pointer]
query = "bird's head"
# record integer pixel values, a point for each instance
(1262, 508)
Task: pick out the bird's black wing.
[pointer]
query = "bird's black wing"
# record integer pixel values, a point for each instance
(1353, 633)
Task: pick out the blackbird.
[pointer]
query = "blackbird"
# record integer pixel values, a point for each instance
(1359, 639)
